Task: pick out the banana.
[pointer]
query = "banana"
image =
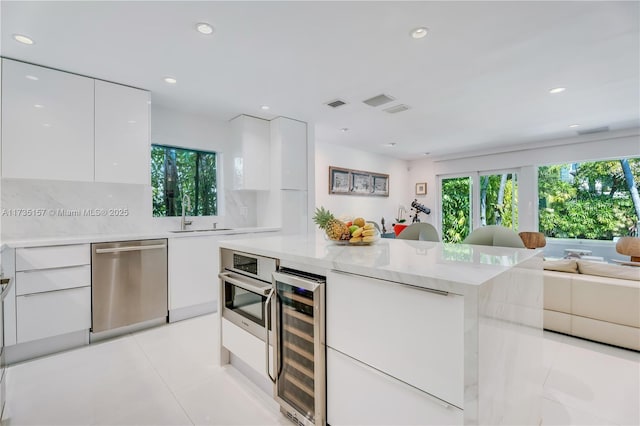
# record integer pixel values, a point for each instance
(358, 232)
(368, 232)
(355, 240)
(369, 226)
(368, 239)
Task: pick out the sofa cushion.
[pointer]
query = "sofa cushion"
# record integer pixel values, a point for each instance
(606, 299)
(610, 271)
(557, 291)
(561, 265)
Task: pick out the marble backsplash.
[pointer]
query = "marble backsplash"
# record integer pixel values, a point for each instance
(44, 208)
(48, 209)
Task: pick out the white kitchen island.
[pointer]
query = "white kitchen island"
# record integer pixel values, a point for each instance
(424, 333)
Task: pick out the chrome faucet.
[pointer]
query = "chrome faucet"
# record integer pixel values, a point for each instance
(184, 223)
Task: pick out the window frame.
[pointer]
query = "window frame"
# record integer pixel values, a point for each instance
(217, 157)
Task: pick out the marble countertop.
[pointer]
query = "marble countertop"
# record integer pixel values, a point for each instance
(449, 267)
(83, 239)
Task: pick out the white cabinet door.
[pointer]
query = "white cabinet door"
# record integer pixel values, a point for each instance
(47, 123)
(247, 347)
(250, 158)
(122, 151)
(394, 328)
(291, 138)
(29, 282)
(50, 314)
(359, 395)
(193, 271)
(52, 257)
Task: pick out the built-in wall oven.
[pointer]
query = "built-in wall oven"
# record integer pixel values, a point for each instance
(297, 305)
(246, 283)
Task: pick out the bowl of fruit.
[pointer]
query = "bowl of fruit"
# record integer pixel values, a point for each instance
(357, 232)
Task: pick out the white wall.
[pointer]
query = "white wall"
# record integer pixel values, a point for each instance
(527, 158)
(401, 190)
(180, 129)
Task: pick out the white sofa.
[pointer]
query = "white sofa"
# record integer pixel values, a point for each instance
(595, 301)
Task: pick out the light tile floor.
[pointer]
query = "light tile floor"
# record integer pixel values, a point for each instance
(169, 376)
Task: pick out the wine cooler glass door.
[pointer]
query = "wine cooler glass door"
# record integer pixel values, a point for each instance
(300, 355)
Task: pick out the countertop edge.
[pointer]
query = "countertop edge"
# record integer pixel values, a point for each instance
(100, 238)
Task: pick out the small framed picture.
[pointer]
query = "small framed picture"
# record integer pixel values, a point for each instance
(339, 181)
(421, 188)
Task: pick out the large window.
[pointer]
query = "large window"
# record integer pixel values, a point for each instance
(176, 172)
(591, 200)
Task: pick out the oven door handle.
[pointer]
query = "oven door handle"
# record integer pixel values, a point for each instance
(226, 276)
(267, 308)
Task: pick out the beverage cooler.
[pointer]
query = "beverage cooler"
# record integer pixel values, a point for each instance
(297, 309)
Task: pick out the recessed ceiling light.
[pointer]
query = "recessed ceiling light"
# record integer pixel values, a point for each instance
(264, 107)
(557, 90)
(23, 39)
(31, 77)
(131, 121)
(390, 145)
(344, 129)
(204, 28)
(574, 125)
(170, 80)
(426, 153)
(38, 106)
(46, 124)
(419, 32)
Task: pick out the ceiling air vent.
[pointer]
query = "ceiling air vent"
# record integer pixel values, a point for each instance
(396, 109)
(336, 103)
(379, 100)
(594, 130)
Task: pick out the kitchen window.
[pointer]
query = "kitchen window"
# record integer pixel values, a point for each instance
(176, 172)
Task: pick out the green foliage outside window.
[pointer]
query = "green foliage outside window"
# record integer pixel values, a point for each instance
(499, 200)
(456, 209)
(593, 200)
(176, 172)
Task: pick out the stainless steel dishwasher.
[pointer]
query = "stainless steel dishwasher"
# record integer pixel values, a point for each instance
(129, 283)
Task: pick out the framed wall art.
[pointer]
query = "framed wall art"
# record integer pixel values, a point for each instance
(421, 188)
(357, 182)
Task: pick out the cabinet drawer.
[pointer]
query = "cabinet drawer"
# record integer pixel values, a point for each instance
(247, 347)
(359, 395)
(52, 257)
(411, 334)
(39, 281)
(50, 314)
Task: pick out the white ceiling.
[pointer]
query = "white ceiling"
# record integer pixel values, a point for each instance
(479, 79)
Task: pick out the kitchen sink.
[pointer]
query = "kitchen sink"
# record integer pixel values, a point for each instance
(200, 230)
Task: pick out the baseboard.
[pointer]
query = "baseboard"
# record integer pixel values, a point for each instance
(37, 348)
(192, 311)
(108, 334)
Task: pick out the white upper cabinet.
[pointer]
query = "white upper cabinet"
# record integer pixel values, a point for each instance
(250, 157)
(47, 123)
(289, 141)
(122, 151)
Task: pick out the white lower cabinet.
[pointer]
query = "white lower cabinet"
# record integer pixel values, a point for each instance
(193, 272)
(394, 327)
(53, 313)
(247, 347)
(52, 293)
(360, 395)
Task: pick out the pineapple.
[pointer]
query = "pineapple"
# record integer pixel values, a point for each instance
(335, 229)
